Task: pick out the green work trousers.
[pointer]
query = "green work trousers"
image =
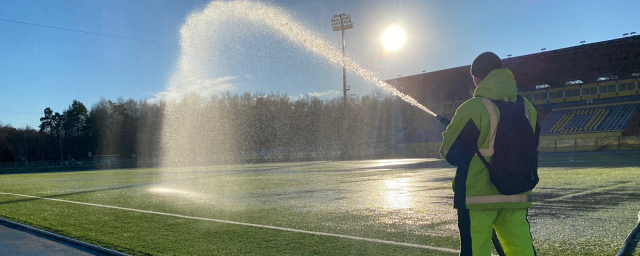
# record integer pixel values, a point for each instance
(511, 225)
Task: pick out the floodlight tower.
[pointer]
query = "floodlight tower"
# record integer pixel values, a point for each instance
(342, 22)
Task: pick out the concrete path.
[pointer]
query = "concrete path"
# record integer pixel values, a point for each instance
(18, 242)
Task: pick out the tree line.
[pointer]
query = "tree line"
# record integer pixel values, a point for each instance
(247, 125)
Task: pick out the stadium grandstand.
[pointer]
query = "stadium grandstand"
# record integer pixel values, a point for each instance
(587, 97)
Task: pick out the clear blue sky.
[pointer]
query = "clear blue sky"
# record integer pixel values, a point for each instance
(42, 67)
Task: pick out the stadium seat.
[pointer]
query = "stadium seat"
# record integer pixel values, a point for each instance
(603, 118)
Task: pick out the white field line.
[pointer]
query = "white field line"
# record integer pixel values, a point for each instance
(246, 224)
(600, 189)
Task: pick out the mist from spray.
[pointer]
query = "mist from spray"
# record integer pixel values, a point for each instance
(190, 137)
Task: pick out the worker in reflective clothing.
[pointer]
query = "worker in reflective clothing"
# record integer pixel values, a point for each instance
(481, 207)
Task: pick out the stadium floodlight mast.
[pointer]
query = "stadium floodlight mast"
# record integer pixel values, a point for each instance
(625, 34)
(582, 42)
(342, 22)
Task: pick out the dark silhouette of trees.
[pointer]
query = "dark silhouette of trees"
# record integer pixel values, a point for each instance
(20, 144)
(7, 135)
(251, 126)
(76, 130)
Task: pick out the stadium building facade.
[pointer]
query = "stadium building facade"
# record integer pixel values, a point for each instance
(587, 97)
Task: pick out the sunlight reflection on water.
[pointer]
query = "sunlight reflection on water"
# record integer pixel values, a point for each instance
(397, 193)
(174, 192)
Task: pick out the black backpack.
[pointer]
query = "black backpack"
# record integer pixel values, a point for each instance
(514, 168)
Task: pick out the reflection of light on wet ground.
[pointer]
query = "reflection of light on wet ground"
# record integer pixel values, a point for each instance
(388, 162)
(397, 193)
(171, 191)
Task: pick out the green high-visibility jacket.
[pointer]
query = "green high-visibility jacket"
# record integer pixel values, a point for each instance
(473, 127)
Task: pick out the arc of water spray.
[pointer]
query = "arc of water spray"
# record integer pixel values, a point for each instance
(187, 137)
(283, 24)
(320, 46)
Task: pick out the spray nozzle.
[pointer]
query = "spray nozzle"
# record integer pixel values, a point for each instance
(443, 120)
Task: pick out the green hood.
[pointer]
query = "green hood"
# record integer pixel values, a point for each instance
(498, 85)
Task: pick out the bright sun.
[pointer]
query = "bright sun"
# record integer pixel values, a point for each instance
(393, 38)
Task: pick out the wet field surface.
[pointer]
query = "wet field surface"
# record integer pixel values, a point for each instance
(584, 204)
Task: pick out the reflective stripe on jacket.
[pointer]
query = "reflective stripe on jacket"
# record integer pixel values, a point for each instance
(473, 127)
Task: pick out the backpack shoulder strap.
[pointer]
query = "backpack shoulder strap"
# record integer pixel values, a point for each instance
(493, 120)
(520, 103)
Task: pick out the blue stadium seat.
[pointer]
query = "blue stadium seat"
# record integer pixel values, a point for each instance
(604, 118)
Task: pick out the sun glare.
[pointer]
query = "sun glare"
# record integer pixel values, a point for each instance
(393, 38)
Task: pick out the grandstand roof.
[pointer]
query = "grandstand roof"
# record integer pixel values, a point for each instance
(619, 57)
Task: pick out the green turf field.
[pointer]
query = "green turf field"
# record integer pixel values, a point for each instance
(586, 205)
